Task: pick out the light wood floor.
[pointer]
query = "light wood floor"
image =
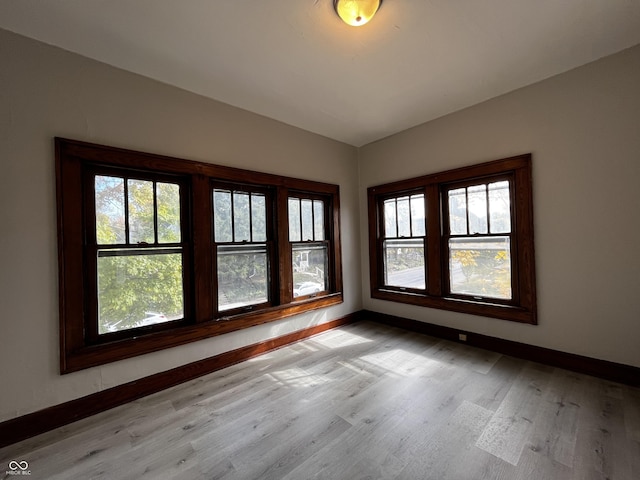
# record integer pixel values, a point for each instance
(364, 401)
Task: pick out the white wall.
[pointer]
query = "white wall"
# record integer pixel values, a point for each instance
(47, 92)
(583, 129)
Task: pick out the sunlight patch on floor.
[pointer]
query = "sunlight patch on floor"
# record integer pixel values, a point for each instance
(402, 363)
(343, 340)
(297, 377)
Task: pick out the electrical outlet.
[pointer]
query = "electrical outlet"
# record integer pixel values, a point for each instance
(462, 337)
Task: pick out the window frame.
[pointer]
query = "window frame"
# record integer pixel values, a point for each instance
(327, 234)
(78, 348)
(522, 306)
(269, 242)
(447, 235)
(384, 237)
(92, 247)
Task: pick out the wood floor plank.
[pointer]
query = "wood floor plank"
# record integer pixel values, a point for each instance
(507, 432)
(425, 411)
(634, 455)
(148, 461)
(283, 450)
(450, 443)
(77, 454)
(603, 450)
(556, 423)
(362, 444)
(631, 408)
(489, 390)
(535, 465)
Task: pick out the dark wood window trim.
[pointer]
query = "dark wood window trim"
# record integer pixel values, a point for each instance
(78, 348)
(522, 307)
(268, 243)
(323, 241)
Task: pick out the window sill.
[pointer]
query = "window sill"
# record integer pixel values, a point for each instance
(94, 355)
(502, 312)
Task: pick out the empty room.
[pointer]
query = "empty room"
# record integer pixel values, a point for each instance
(321, 239)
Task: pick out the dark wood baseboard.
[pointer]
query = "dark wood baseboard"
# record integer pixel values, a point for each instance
(598, 368)
(30, 425)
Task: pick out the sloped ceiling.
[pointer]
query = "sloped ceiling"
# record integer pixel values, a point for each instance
(295, 61)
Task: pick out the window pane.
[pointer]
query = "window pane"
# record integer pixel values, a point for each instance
(390, 218)
(242, 276)
(480, 267)
(138, 290)
(168, 201)
(417, 215)
(318, 218)
(294, 220)
(404, 217)
(309, 269)
(458, 211)
(241, 217)
(109, 192)
(404, 262)
(141, 211)
(307, 219)
(258, 218)
(500, 207)
(477, 198)
(222, 216)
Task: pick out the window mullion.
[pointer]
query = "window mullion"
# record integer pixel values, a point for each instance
(300, 218)
(313, 221)
(395, 204)
(126, 211)
(410, 218)
(466, 202)
(433, 240)
(250, 217)
(155, 212)
(486, 201)
(284, 246)
(204, 282)
(233, 216)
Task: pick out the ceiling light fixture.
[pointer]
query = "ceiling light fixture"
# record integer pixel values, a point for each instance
(356, 12)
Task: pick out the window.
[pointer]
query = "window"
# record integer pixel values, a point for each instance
(156, 252)
(242, 243)
(309, 249)
(459, 240)
(135, 251)
(478, 238)
(403, 243)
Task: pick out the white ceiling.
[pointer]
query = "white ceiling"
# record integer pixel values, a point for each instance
(295, 61)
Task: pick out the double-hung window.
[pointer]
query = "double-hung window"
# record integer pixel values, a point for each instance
(479, 239)
(309, 246)
(156, 252)
(459, 240)
(403, 241)
(136, 251)
(243, 244)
